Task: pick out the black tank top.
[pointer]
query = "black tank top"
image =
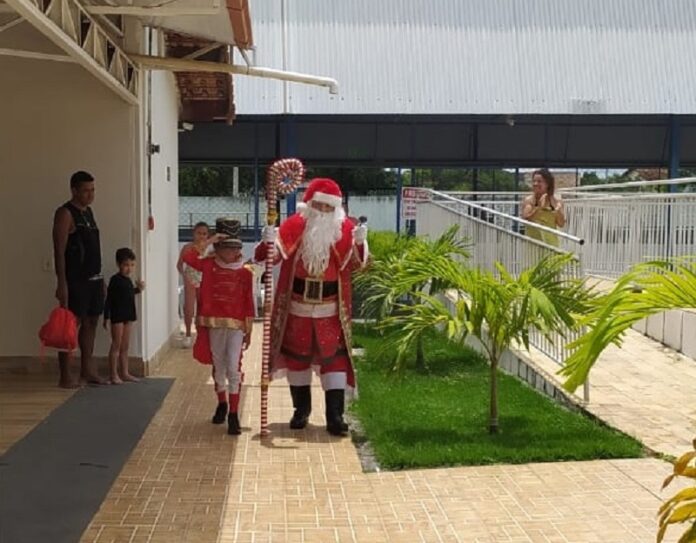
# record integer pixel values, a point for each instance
(83, 251)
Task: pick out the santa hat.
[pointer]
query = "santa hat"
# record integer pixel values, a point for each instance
(325, 191)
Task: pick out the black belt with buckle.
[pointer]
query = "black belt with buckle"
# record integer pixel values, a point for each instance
(314, 289)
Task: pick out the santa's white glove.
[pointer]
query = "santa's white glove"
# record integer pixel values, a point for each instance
(269, 234)
(360, 234)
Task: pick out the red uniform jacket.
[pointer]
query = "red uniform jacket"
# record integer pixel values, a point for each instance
(226, 295)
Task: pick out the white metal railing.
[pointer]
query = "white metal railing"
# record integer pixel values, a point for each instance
(622, 231)
(498, 237)
(633, 184)
(622, 225)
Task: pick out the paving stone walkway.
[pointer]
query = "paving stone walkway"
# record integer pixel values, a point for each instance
(188, 481)
(644, 389)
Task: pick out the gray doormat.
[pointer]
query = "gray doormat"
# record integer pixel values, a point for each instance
(53, 481)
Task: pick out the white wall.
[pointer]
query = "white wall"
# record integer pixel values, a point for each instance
(55, 118)
(161, 244)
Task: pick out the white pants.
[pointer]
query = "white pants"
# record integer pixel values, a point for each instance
(226, 346)
(329, 381)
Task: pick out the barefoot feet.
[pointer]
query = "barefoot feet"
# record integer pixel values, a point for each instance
(93, 379)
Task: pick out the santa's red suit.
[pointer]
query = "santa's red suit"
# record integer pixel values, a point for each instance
(311, 323)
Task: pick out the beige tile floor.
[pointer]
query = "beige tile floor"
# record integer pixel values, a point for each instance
(28, 393)
(187, 481)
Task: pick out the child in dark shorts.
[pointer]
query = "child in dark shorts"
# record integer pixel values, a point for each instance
(119, 309)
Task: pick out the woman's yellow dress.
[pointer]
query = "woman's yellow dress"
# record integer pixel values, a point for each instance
(546, 217)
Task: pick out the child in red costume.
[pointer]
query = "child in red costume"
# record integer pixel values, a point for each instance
(225, 316)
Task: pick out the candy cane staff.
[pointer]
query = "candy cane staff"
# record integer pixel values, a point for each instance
(283, 177)
(318, 248)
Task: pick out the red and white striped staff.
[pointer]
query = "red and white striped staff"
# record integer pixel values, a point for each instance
(283, 177)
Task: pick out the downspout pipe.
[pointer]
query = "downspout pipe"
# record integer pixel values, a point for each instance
(182, 65)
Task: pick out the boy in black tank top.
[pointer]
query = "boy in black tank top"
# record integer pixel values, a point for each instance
(80, 286)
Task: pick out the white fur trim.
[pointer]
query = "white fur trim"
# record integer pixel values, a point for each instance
(300, 378)
(347, 259)
(281, 249)
(334, 380)
(330, 199)
(313, 311)
(230, 265)
(354, 253)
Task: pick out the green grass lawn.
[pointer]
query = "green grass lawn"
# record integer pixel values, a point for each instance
(441, 418)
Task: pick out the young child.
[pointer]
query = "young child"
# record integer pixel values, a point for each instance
(119, 309)
(225, 315)
(192, 277)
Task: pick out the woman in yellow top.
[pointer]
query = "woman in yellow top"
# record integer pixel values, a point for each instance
(543, 207)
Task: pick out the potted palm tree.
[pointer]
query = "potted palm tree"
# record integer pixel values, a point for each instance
(497, 309)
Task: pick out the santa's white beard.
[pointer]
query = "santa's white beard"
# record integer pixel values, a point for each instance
(321, 231)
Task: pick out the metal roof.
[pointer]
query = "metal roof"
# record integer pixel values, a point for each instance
(476, 56)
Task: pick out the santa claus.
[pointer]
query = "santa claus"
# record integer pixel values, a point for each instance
(318, 249)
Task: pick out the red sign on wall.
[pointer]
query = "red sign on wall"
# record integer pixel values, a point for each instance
(414, 193)
(410, 197)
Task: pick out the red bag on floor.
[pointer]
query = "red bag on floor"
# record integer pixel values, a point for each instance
(201, 348)
(60, 332)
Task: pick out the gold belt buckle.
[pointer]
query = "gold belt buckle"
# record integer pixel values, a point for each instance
(313, 291)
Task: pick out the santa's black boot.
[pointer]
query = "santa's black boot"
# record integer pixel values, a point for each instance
(302, 402)
(220, 413)
(335, 401)
(233, 427)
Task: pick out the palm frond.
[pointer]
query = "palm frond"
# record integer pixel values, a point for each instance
(411, 269)
(409, 322)
(647, 289)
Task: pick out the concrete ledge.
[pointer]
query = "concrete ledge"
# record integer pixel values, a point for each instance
(673, 329)
(676, 329)
(641, 326)
(656, 327)
(689, 334)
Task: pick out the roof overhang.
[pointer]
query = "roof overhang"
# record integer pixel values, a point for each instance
(217, 21)
(200, 34)
(91, 35)
(70, 27)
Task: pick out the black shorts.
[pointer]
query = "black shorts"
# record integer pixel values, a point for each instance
(86, 298)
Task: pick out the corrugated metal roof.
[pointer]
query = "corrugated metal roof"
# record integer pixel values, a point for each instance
(476, 56)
